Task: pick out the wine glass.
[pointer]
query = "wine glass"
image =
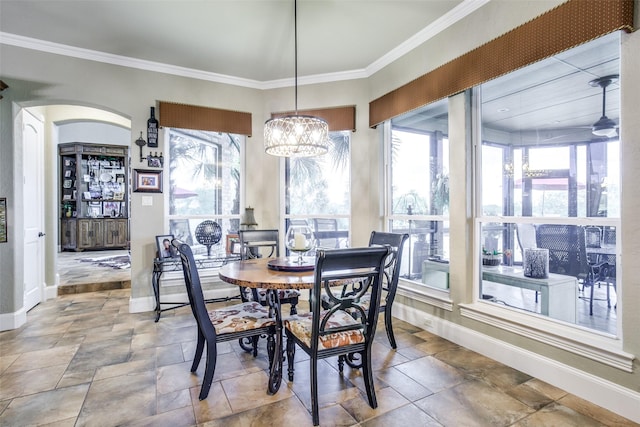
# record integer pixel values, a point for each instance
(300, 239)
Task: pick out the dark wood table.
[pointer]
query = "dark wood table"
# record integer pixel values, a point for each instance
(254, 273)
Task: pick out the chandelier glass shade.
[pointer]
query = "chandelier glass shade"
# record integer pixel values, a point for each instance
(296, 135)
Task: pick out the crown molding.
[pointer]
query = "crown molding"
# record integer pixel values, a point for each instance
(462, 10)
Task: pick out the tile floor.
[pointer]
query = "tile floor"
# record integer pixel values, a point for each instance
(78, 276)
(84, 360)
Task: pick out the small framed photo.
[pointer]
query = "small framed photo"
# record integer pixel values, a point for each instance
(165, 249)
(94, 211)
(154, 162)
(118, 195)
(233, 244)
(147, 181)
(111, 209)
(67, 173)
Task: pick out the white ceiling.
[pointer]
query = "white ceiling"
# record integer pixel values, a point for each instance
(251, 43)
(245, 39)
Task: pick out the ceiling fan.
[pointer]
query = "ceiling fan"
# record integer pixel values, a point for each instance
(605, 126)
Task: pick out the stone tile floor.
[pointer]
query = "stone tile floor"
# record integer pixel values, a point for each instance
(84, 360)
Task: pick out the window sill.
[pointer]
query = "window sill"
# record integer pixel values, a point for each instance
(598, 347)
(425, 294)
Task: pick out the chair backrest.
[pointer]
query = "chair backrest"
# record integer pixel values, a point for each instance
(396, 242)
(609, 237)
(335, 266)
(593, 236)
(326, 224)
(259, 243)
(567, 249)
(194, 288)
(526, 236)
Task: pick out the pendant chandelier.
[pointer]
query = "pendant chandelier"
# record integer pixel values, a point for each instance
(296, 135)
(604, 126)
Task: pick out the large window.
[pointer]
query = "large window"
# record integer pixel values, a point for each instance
(417, 190)
(317, 192)
(204, 184)
(549, 187)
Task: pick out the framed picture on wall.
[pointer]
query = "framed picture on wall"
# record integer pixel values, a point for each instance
(3, 219)
(147, 181)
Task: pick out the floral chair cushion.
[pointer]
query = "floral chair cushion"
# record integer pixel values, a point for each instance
(300, 326)
(240, 317)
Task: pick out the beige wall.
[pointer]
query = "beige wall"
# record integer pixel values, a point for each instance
(38, 78)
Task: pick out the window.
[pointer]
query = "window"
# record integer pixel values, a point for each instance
(317, 192)
(417, 189)
(204, 184)
(546, 181)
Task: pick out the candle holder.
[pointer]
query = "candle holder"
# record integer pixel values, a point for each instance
(536, 263)
(300, 239)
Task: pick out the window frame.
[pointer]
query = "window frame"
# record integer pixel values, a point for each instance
(433, 294)
(589, 343)
(242, 139)
(286, 218)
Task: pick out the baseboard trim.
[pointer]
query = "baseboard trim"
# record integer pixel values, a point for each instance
(604, 393)
(9, 321)
(50, 292)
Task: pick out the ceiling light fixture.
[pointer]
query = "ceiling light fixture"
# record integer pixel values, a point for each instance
(605, 126)
(296, 135)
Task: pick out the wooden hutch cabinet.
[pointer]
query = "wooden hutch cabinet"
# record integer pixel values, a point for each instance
(94, 196)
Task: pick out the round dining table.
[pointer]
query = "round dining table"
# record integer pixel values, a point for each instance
(256, 273)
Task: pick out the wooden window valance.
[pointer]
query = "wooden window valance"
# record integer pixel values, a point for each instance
(338, 118)
(204, 118)
(567, 25)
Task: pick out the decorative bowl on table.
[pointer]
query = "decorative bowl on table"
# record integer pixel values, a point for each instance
(491, 260)
(300, 239)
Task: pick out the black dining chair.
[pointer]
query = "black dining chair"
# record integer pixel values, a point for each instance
(334, 332)
(326, 224)
(567, 247)
(245, 320)
(392, 266)
(260, 244)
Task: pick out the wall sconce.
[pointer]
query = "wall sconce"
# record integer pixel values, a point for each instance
(153, 160)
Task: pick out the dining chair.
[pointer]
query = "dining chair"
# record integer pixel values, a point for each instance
(245, 320)
(392, 265)
(326, 224)
(260, 244)
(568, 255)
(334, 332)
(526, 234)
